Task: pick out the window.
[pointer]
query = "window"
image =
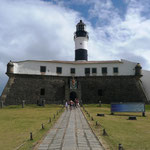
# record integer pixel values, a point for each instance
(59, 70)
(115, 69)
(81, 27)
(42, 91)
(72, 70)
(100, 92)
(94, 70)
(43, 68)
(87, 70)
(104, 70)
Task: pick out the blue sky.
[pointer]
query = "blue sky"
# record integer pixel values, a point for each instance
(43, 30)
(84, 7)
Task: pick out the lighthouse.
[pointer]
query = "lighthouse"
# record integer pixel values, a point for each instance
(81, 40)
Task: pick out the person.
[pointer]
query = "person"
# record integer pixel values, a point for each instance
(77, 102)
(71, 104)
(66, 105)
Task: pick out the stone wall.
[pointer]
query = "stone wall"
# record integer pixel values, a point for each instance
(92, 89)
(112, 89)
(28, 88)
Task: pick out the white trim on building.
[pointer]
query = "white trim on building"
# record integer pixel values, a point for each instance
(32, 67)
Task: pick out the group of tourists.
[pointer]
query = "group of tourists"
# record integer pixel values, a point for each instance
(72, 104)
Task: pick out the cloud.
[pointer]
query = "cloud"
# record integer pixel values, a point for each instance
(126, 38)
(35, 30)
(27, 26)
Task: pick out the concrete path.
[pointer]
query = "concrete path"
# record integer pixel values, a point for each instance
(71, 132)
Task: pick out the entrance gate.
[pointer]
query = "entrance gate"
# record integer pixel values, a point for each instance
(73, 96)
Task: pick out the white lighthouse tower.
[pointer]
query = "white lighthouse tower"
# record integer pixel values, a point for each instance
(81, 40)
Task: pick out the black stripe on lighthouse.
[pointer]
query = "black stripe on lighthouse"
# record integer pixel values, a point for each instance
(81, 54)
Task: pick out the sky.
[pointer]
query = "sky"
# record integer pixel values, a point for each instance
(43, 30)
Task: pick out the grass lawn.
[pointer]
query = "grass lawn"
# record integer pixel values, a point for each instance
(132, 134)
(16, 123)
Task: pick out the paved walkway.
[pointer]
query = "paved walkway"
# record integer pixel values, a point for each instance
(71, 132)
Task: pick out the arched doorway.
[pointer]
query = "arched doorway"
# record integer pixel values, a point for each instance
(73, 96)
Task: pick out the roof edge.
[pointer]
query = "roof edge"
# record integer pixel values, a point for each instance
(70, 62)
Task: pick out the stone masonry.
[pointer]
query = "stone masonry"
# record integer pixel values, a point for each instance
(90, 89)
(71, 132)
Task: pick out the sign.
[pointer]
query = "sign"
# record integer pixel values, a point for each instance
(73, 84)
(127, 107)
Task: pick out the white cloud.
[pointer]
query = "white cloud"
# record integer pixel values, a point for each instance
(127, 37)
(27, 26)
(35, 30)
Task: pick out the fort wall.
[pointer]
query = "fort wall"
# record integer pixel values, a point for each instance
(57, 89)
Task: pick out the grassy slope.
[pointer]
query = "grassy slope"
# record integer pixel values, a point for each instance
(16, 123)
(132, 134)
